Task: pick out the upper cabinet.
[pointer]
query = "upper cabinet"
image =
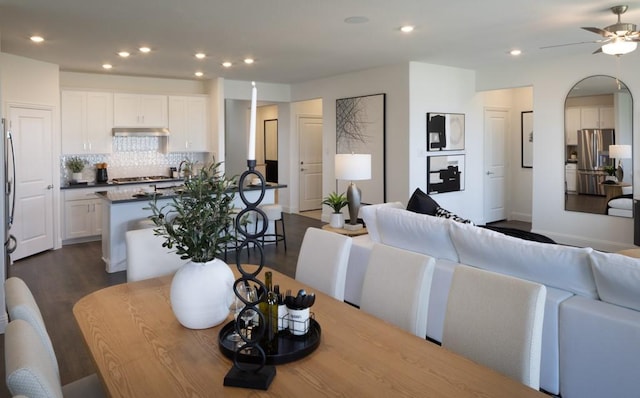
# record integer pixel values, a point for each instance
(86, 121)
(188, 124)
(140, 110)
(587, 117)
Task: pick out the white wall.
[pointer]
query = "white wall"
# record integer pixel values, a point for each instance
(551, 81)
(442, 89)
(392, 80)
(27, 82)
(134, 84)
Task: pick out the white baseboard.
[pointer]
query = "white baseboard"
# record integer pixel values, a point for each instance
(524, 217)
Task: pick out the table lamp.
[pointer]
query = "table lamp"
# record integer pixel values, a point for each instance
(620, 152)
(353, 167)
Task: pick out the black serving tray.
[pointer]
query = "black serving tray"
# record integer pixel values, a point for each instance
(290, 347)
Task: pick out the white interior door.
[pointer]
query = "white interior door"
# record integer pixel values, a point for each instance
(496, 127)
(310, 132)
(33, 220)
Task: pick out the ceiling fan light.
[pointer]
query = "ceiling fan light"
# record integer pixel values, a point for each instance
(619, 47)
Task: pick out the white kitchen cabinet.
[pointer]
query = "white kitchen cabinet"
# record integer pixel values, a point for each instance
(572, 125)
(86, 121)
(607, 118)
(139, 110)
(82, 213)
(188, 124)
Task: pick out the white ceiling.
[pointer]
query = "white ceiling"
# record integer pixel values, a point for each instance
(296, 40)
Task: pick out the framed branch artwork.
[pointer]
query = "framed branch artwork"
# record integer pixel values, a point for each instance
(445, 173)
(526, 131)
(360, 129)
(445, 131)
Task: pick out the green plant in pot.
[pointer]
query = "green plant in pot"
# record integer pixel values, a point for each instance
(75, 164)
(337, 202)
(611, 172)
(195, 224)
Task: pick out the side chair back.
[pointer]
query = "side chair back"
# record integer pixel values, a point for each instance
(496, 320)
(22, 305)
(396, 287)
(322, 262)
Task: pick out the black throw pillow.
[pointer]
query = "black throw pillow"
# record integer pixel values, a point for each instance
(422, 203)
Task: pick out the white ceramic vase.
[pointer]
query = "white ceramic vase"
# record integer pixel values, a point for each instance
(201, 293)
(76, 176)
(336, 220)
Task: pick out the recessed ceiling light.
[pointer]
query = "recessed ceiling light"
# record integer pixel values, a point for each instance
(123, 54)
(107, 66)
(37, 39)
(358, 19)
(227, 64)
(515, 52)
(144, 49)
(407, 29)
(200, 55)
(248, 61)
(199, 74)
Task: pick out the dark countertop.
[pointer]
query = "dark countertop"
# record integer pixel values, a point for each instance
(138, 195)
(110, 184)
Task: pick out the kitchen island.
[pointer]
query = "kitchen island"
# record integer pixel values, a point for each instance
(124, 210)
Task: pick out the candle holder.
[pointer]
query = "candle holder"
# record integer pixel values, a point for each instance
(255, 375)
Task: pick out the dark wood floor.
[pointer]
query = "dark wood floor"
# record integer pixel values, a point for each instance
(59, 278)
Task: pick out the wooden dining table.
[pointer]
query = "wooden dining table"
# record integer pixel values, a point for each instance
(140, 350)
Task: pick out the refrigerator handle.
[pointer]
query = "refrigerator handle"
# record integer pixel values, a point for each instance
(12, 189)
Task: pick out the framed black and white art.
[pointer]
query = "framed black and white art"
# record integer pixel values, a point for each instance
(445, 131)
(526, 128)
(445, 174)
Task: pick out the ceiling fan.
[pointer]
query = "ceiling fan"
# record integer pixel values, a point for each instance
(618, 39)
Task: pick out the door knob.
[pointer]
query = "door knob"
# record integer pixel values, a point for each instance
(49, 186)
(490, 172)
(302, 169)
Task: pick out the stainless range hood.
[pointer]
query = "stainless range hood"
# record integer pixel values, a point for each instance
(140, 132)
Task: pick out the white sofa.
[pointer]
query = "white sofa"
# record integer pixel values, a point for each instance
(591, 332)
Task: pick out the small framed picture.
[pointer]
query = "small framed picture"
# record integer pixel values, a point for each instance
(445, 131)
(445, 174)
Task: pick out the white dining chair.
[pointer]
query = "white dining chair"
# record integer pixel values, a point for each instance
(30, 371)
(322, 262)
(496, 320)
(22, 305)
(396, 287)
(146, 258)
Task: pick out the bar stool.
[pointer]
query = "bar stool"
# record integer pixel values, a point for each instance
(274, 213)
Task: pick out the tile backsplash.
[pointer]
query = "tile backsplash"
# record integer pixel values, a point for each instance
(132, 157)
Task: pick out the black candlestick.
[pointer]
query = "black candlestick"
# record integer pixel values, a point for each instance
(251, 375)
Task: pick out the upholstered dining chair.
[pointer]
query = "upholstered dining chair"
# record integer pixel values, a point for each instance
(496, 320)
(31, 372)
(322, 262)
(146, 258)
(22, 305)
(396, 287)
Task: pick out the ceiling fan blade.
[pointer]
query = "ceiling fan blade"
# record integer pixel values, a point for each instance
(598, 31)
(571, 44)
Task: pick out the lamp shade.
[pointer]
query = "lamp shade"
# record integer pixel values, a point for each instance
(352, 167)
(620, 151)
(619, 47)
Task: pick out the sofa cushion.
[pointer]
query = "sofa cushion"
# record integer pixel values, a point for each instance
(368, 214)
(422, 203)
(415, 232)
(617, 278)
(563, 267)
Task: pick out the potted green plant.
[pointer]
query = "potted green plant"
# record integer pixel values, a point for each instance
(75, 164)
(196, 225)
(336, 202)
(611, 173)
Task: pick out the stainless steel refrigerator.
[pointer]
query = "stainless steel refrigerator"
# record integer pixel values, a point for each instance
(9, 198)
(593, 155)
